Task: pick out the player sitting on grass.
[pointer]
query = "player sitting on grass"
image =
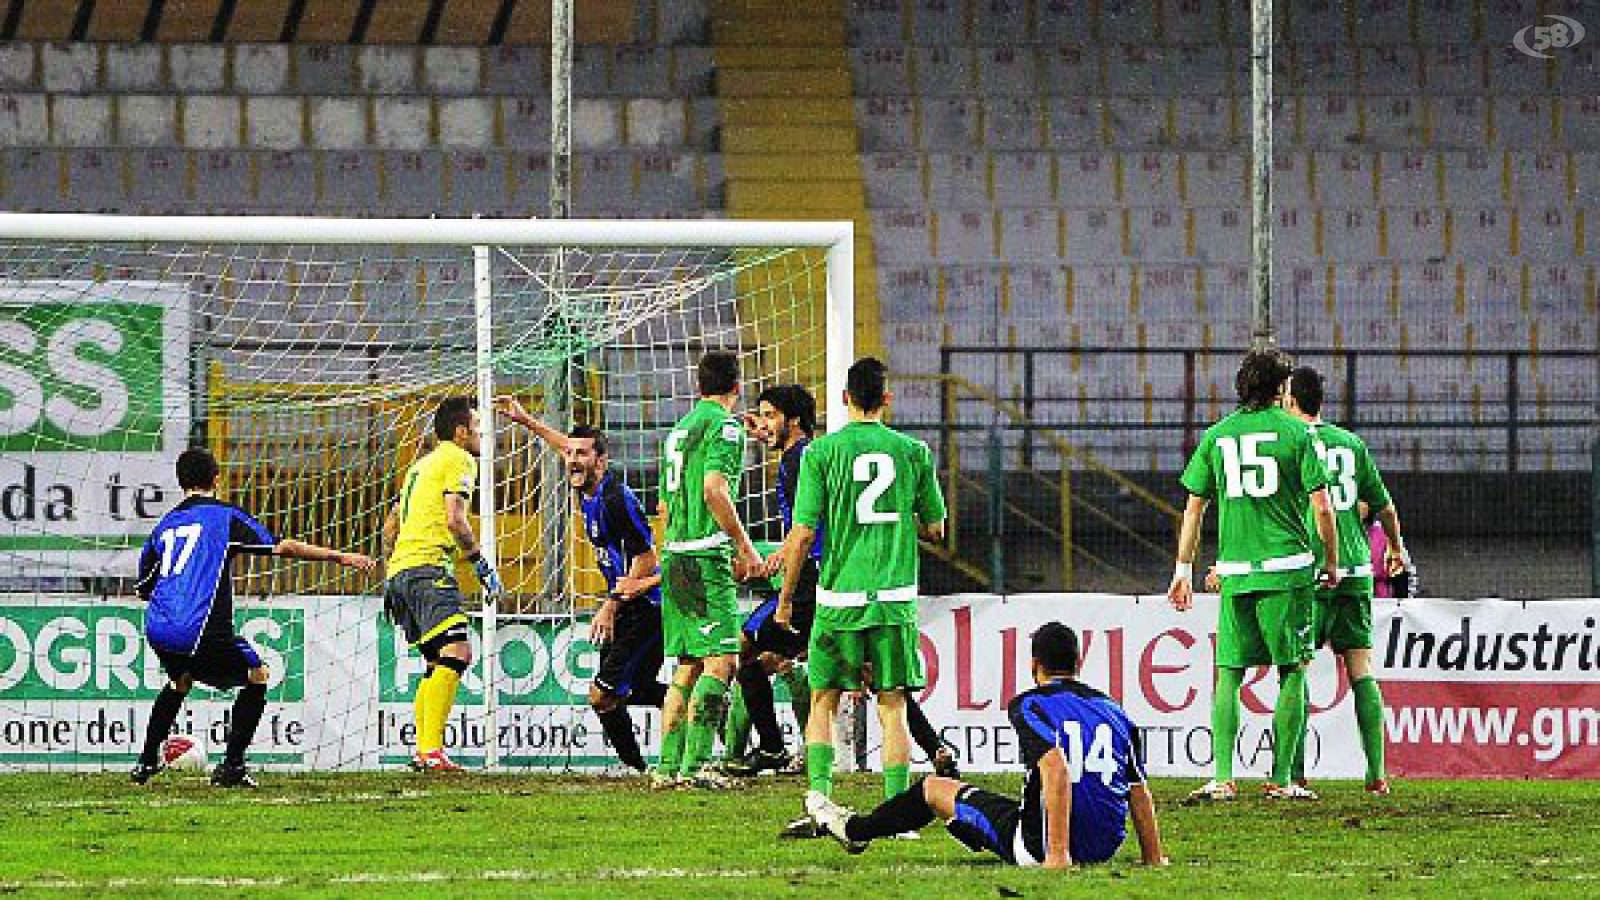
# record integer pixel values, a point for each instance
(1083, 780)
(706, 551)
(1261, 466)
(185, 577)
(627, 628)
(1344, 613)
(421, 536)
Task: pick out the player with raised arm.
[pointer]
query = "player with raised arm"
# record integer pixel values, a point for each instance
(185, 575)
(1084, 780)
(706, 551)
(422, 534)
(1344, 613)
(876, 489)
(1261, 466)
(627, 627)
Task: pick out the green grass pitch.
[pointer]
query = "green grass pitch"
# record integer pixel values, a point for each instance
(475, 835)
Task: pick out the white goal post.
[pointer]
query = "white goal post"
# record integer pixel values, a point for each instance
(322, 315)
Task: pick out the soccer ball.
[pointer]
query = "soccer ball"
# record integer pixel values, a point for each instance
(182, 754)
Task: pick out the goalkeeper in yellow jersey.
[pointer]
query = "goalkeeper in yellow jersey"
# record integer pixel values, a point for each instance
(421, 537)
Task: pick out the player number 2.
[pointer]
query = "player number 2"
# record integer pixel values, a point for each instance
(1246, 470)
(878, 470)
(189, 535)
(1341, 463)
(1099, 759)
(675, 460)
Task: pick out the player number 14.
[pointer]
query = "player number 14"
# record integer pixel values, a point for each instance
(1099, 759)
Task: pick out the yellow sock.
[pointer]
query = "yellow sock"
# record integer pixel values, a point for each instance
(441, 687)
(419, 709)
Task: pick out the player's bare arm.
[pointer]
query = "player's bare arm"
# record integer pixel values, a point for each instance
(719, 499)
(796, 544)
(292, 549)
(932, 532)
(1056, 793)
(1328, 533)
(513, 410)
(1181, 591)
(391, 531)
(1142, 808)
(1395, 558)
(455, 519)
(642, 575)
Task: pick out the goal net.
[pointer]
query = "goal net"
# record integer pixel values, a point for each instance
(309, 356)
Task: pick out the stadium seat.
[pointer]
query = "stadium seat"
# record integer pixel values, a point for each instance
(413, 181)
(1070, 68)
(596, 124)
(1474, 178)
(1345, 178)
(1538, 177)
(1023, 179)
(902, 236)
(530, 173)
(705, 123)
(692, 68)
(1513, 72)
(965, 236)
(1453, 70)
(24, 120)
(1546, 234)
(1315, 67)
(893, 179)
(517, 70)
(944, 71)
(886, 123)
(1330, 122)
(272, 122)
(884, 23)
(1150, 179)
(1221, 234)
(958, 180)
(1156, 234)
(1294, 234)
(1390, 69)
(1394, 121)
(1092, 235)
(401, 123)
(288, 181)
(1580, 122)
(69, 68)
(93, 180)
(386, 69)
(1139, 122)
(908, 294)
(466, 122)
(939, 22)
(1459, 123)
(1205, 123)
(1215, 179)
(641, 71)
(525, 123)
(18, 62)
(603, 181)
(1035, 293)
(212, 122)
(350, 182)
(667, 182)
(1292, 184)
(1408, 178)
(1199, 70)
(1524, 121)
(476, 182)
(131, 67)
(323, 68)
(1008, 70)
(221, 178)
(656, 124)
(1012, 124)
(146, 121)
(1137, 69)
(261, 68)
(1315, 21)
(452, 69)
(1578, 70)
(1075, 123)
(1415, 233)
(881, 71)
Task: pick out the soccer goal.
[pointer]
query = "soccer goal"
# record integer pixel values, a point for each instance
(308, 354)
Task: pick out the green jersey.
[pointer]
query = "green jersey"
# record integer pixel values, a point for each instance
(1352, 479)
(708, 439)
(871, 485)
(1259, 466)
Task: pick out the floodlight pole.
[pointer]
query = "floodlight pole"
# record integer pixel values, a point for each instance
(1262, 334)
(558, 579)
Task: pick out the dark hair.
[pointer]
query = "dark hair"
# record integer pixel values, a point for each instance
(453, 412)
(592, 433)
(1305, 385)
(1055, 647)
(1261, 374)
(718, 373)
(795, 402)
(197, 469)
(866, 383)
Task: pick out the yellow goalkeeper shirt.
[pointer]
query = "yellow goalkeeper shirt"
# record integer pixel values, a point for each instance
(424, 539)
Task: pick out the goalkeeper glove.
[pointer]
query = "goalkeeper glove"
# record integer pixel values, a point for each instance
(493, 587)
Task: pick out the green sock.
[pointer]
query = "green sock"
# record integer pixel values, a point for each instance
(707, 707)
(1369, 720)
(1288, 724)
(1225, 720)
(895, 780)
(799, 693)
(672, 741)
(819, 768)
(736, 735)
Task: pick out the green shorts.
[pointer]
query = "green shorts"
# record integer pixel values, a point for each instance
(1344, 620)
(1264, 628)
(836, 658)
(699, 606)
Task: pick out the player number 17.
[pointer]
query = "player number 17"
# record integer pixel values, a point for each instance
(189, 535)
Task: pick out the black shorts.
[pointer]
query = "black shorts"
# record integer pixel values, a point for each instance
(986, 821)
(220, 661)
(767, 636)
(634, 654)
(423, 602)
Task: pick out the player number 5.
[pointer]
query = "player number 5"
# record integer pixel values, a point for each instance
(878, 470)
(675, 460)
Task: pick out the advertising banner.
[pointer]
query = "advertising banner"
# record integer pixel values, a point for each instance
(1472, 689)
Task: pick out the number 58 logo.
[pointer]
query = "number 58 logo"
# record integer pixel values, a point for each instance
(1564, 33)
